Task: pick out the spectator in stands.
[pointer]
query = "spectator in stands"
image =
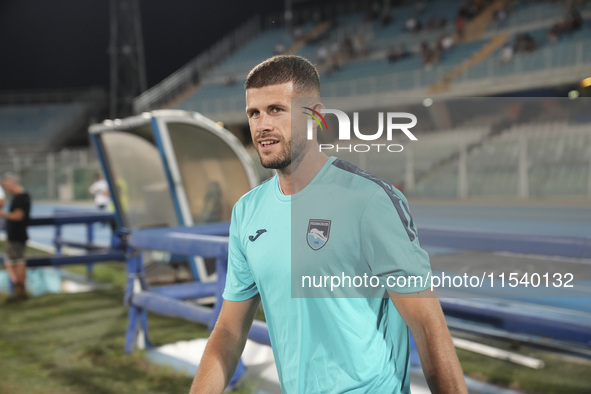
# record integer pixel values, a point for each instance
(375, 10)
(460, 25)
(317, 16)
(355, 45)
(529, 44)
(420, 7)
(430, 56)
(412, 24)
(100, 190)
(358, 45)
(501, 16)
(298, 33)
(16, 235)
(387, 17)
(419, 26)
(524, 43)
(397, 52)
(506, 53)
(518, 44)
(576, 19)
(471, 8)
(321, 54)
(348, 50)
(393, 54)
(364, 37)
(336, 56)
(571, 23)
(555, 31)
(445, 42)
(435, 23)
(478, 6)
(279, 48)
(465, 10)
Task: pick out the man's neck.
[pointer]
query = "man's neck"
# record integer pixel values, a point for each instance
(300, 173)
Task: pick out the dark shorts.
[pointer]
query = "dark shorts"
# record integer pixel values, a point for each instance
(15, 251)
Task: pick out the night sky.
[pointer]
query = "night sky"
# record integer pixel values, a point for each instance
(56, 44)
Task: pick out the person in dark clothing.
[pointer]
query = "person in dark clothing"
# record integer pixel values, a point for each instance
(16, 234)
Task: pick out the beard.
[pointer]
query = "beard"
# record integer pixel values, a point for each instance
(279, 162)
(290, 152)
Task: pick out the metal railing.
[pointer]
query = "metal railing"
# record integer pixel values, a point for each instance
(533, 17)
(555, 56)
(526, 162)
(64, 175)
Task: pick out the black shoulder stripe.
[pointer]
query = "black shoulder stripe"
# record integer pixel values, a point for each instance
(400, 206)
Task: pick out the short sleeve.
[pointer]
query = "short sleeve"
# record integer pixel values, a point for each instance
(390, 243)
(18, 202)
(240, 284)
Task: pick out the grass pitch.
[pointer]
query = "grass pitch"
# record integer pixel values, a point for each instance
(73, 343)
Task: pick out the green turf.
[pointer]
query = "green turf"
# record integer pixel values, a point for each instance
(109, 272)
(559, 375)
(73, 343)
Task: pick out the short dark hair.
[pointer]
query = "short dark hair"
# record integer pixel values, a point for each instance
(283, 69)
(10, 177)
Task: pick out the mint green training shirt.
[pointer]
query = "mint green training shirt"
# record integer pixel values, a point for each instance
(345, 222)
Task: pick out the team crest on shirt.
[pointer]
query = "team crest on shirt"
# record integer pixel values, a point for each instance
(318, 232)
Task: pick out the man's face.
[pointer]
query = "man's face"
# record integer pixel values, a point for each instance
(269, 116)
(8, 186)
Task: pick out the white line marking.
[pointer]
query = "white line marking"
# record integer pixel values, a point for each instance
(546, 258)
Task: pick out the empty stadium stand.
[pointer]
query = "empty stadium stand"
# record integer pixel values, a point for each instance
(39, 126)
(555, 155)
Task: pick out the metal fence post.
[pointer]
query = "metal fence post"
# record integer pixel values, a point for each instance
(463, 172)
(522, 167)
(409, 173)
(51, 181)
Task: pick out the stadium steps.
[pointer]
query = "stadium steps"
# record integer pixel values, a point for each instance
(311, 36)
(174, 103)
(477, 26)
(495, 43)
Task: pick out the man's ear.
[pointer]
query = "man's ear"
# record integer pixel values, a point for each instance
(318, 106)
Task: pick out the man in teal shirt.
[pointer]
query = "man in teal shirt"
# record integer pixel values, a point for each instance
(316, 210)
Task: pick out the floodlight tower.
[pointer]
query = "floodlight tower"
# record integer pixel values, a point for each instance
(126, 51)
